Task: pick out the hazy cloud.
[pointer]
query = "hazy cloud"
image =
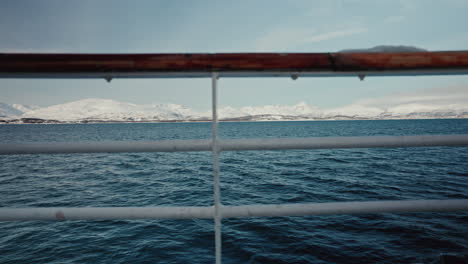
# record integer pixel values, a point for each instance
(333, 35)
(284, 38)
(394, 19)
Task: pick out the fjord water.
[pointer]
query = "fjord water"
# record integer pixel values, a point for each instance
(251, 177)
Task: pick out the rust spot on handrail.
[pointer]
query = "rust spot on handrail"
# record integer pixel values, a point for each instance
(59, 215)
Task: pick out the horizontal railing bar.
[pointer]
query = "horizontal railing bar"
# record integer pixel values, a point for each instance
(344, 142)
(202, 64)
(105, 213)
(335, 208)
(105, 147)
(192, 212)
(235, 144)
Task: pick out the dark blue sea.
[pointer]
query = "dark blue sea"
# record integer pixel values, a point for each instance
(251, 177)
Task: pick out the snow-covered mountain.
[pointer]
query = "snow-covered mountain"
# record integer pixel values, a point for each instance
(7, 110)
(299, 111)
(14, 110)
(25, 108)
(106, 110)
(403, 111)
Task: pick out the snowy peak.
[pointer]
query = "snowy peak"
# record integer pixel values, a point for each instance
(108, 110)
(416, 106)
(14, 110)
(8, 111)
(25, 108)
(300, 110)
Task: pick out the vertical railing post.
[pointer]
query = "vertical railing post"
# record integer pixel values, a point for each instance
(216, 150)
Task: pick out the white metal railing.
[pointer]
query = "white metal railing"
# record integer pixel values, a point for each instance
(208, 212)
(216, 149)
(218, 211)
(236, 144)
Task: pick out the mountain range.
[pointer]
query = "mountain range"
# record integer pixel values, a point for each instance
(106, 110)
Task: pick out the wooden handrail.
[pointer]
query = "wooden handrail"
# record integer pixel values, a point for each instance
(230, 64)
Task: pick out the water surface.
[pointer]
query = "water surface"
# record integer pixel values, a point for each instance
(251, 177)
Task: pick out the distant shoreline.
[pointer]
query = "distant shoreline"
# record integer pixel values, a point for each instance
(36, 121)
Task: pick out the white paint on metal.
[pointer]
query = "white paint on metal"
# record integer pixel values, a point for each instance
(236, 144)
(346, 208)
(105, 213)
(207, 212)
(344, 142)
(216, 149)
(105, 147)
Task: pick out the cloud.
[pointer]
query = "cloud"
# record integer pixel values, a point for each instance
(334, 34)
(284, 38)
(394, 19)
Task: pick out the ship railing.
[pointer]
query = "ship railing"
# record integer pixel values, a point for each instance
(295, 65)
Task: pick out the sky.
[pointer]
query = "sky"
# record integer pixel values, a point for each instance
(228, 26)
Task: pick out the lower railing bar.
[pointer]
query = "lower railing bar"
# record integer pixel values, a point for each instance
(336, 208)
(105, 147)
(106, 213)
(235, 144)
(205, 212)
(344, 142)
